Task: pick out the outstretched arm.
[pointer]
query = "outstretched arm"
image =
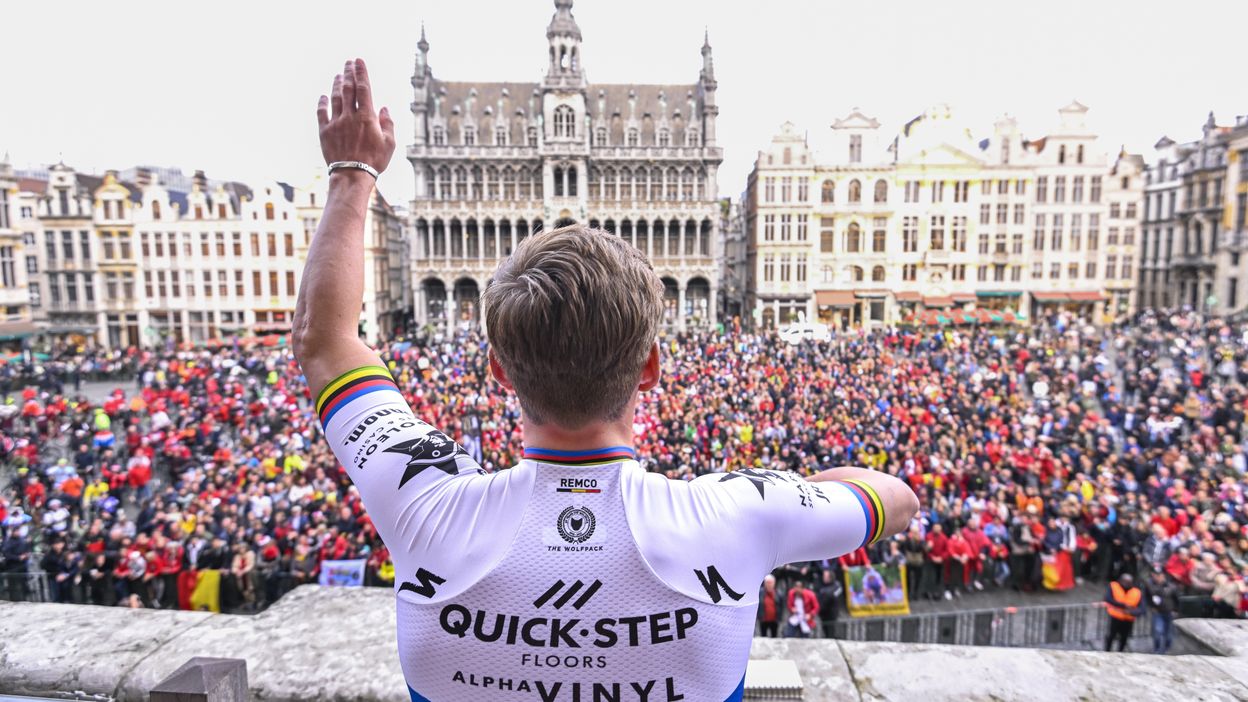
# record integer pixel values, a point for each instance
(899, 502)
(324, 336)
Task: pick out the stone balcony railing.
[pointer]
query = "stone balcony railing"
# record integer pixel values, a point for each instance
(340, 644)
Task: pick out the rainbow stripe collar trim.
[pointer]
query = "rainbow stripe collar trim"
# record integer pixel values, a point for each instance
(352, 385)
(611, 454)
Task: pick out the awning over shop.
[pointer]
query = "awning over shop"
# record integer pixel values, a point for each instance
(945, 301)
(999, 293)
(17, 330)
(936, 318)
(963, 297)
(1050, 296)
(907, 296)
(871, 293)
(835, 298)
(1087, 296)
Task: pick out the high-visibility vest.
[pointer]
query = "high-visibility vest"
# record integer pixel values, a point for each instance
(1129, 598)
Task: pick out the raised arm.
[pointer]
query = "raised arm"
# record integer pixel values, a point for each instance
(324, 335)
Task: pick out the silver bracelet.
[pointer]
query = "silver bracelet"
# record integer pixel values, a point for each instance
(354, 164)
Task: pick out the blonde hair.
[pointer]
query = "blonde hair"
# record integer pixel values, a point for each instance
(572, 315)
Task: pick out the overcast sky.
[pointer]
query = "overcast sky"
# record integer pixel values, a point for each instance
(230, 86)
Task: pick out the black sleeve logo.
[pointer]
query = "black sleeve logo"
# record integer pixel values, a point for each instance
(713, 583)
(433, 449)
(758, 478)
(428, 584)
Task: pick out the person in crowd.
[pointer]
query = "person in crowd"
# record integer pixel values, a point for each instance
(1227, 596)
(803, 608)
(1162, 600)
(829, 595)
(1122, 606)
(770, 608)
(936, 566)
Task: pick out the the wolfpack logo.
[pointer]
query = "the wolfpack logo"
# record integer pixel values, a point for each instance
(576, 524)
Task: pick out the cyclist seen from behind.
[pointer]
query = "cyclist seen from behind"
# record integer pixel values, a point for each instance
(575, 575)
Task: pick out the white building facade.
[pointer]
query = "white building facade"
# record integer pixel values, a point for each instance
(16, 324)
(138, 263)
(932, 225)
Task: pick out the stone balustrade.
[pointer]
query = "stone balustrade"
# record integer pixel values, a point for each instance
(340, 644)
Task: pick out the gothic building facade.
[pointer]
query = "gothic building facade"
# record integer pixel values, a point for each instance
(497, 161)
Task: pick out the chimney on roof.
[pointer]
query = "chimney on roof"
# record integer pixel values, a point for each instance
(200, 181)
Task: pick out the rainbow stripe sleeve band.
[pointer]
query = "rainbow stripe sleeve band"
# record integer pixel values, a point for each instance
(872, 506)
(349, 386)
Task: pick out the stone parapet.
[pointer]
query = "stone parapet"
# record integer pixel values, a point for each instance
(340, 644)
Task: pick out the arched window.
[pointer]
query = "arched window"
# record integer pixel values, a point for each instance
(853, 238)
(565, 122)
(1061, 154)
(855, 191)
(881, 191)
(572, 181)
(155, 210)
(558, 178)
(856, 271)
(829, 191)
(877, 274)
(827, 274)
(268, 211)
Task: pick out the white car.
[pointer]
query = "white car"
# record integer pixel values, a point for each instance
(795, 333)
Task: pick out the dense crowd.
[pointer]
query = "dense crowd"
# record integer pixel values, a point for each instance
(1106, 451)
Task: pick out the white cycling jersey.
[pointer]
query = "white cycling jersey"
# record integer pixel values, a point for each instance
(574, 576)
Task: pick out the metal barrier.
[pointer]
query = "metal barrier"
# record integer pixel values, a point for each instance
(1055, 626)
(25, 587)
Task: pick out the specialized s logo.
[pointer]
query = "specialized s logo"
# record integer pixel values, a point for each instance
(434, 449)
(576, 524)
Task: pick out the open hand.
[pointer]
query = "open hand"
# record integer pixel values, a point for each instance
(350, 129)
